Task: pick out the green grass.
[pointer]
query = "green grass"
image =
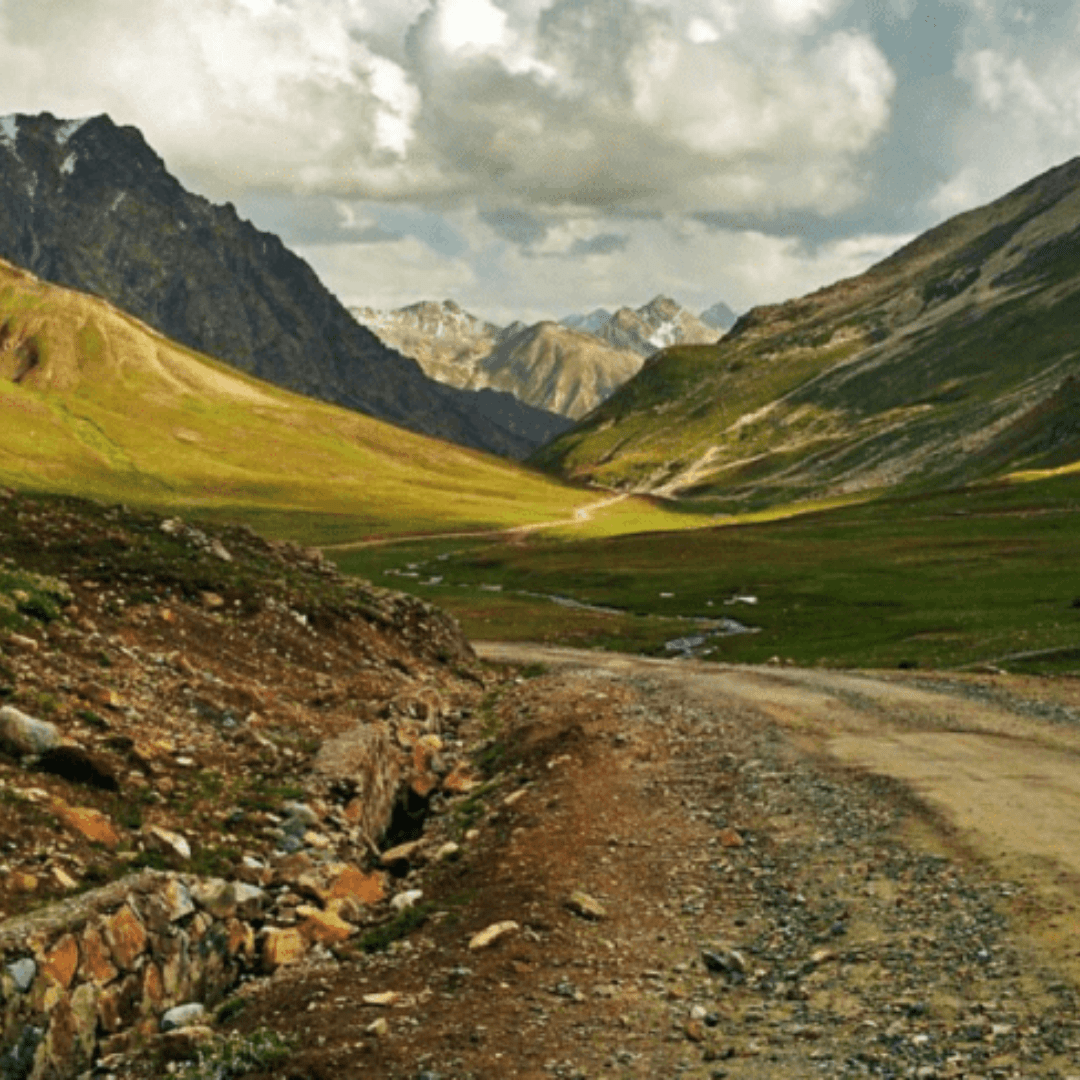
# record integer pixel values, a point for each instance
(205, 438)
(932, 581)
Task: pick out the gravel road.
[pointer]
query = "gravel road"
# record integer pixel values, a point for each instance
(801, 874)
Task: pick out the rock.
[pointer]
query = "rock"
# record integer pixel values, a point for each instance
(729, 838)
(728, 962)
(23, 883)
(178, 901)
(403, 853)
(325, 927)
(695, 1031)
(483, 939)
(216, 896)
(220, 551)
(61, 961)
(449, 850)
(63, 878)
(183, 1016)
(18, 1062)
(459, 781)
(21, 734)
(184, 1044)
(352, 883)
(514, 796)
(388, 997)
(166, 840)
(26, 644)
(126, 937)
(93, 824)
(281, 947)
(405, 900)
(96, 966)
(583, 904)
(380, 1028)
(22, 972)
(79, 766)
(211, 601)
(251, 901)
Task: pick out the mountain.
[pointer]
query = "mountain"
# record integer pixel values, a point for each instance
(94, 402)
(87, 204)
(954, 359)
(656, 325)
(588, 323)
(442, 338)
(547, 365)
(719, 316)
(553, 367)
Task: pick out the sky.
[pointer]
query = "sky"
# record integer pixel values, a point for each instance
(534, 158)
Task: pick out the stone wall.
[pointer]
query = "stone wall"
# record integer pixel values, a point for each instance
(84, 977)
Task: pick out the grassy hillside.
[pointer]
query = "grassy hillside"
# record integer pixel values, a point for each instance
(93, 402)
(954, 360)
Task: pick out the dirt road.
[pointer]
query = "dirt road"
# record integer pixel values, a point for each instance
(581, 516)
(801, 874)
(1007, 780)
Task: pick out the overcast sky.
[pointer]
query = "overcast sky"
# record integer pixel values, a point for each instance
(531, 158)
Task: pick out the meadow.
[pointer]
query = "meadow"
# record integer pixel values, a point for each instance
(981, 575)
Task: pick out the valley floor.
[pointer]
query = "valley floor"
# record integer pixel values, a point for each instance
(803, 874)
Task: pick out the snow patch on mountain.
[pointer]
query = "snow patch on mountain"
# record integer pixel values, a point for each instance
(9, 130)
(65, 130)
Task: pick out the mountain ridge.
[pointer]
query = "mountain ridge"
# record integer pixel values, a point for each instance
(90, 205)
(925, 370)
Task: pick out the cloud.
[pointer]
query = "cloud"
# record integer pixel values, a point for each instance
(604, 244)
(571, 103)
(1021, 75)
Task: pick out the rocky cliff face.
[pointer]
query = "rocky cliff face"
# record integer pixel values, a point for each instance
(442, 338)
(90, 205)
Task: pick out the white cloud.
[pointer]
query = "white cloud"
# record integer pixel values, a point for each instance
(1025, 114)
(802, 13)
(702, 32)
(470, 24)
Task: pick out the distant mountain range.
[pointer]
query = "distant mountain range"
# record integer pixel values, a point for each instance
(87, 204)
(567, 368)
(955, 359)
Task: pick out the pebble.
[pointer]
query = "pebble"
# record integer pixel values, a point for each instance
(491, 934)
(183, 1016)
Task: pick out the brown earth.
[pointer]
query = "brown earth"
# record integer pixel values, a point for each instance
(777, 901)
(799, 873)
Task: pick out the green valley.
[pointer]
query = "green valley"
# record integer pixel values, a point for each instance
(981, 575)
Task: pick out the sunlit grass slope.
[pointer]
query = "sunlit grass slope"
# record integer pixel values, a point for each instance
(93, 402)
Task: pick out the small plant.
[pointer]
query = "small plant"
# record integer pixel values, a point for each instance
(380, 939)
(533, 671)
(238, 1055)
(230, 1009)
(88, 716)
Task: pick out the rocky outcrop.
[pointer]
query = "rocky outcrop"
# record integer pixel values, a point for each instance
(90, 205)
